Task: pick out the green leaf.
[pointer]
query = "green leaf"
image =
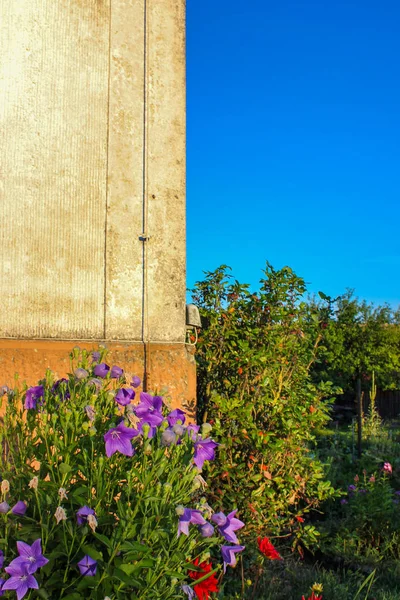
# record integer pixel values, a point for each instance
(134, 546)
(64, 468)
(102, 538)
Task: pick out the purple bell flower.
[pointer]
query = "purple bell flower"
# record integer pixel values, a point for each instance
(116, 372)
(175, 416)
(19, 508)
(21, 580)
(227, 530)
(30, 556)
(124, 396)
(33, 394)
(149, 409)
(87, 566)
(101, 370)
(219, 519)
(118, 439)
(83, 513)
(229, 555)
(193, 431)
(189, 516)
(204, 450)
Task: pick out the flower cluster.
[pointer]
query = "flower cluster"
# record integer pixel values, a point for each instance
(96, 457)
(226, 526)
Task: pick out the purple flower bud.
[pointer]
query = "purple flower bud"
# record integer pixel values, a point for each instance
(168, 437)
(135, 381)
(116, 372)
(351, 488)
(96, 382)
(90, 413)
(206, 530)
(101, 370)
(4, 389)
(19, 508)
(178, 429)
(96, 356)
(344, 501)
(87, 566)
(81, 373)
(4, 508)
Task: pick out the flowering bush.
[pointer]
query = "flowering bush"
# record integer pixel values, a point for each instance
(101, 493)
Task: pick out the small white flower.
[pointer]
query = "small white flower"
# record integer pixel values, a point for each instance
(180, 510)
(5, 486)
(34, 482)
(60, 514)
(92, 522)
(62, 492)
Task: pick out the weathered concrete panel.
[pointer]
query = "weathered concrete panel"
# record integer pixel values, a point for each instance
(166, 168)
(125, 169)
(92, 125)
(53, 128)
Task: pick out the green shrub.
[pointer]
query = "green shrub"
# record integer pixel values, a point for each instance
(254, 357)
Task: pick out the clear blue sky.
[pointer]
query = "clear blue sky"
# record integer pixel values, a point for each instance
(294, 141)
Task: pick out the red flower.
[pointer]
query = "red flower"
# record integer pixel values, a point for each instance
(299, 519)
(312, 597)
(265, 546)
(210, 584)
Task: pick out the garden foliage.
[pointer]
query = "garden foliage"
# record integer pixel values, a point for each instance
(358, 339)
(101, 494)
(254, 358)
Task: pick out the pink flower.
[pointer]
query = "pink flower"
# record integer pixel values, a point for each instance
(387, 468)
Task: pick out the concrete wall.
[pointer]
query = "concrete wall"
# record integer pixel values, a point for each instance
(92, 154)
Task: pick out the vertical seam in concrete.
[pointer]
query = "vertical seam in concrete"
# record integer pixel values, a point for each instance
(145, 320)
(107, 173)
(144, 182)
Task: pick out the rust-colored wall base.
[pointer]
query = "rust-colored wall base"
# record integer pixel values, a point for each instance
(169, 366)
